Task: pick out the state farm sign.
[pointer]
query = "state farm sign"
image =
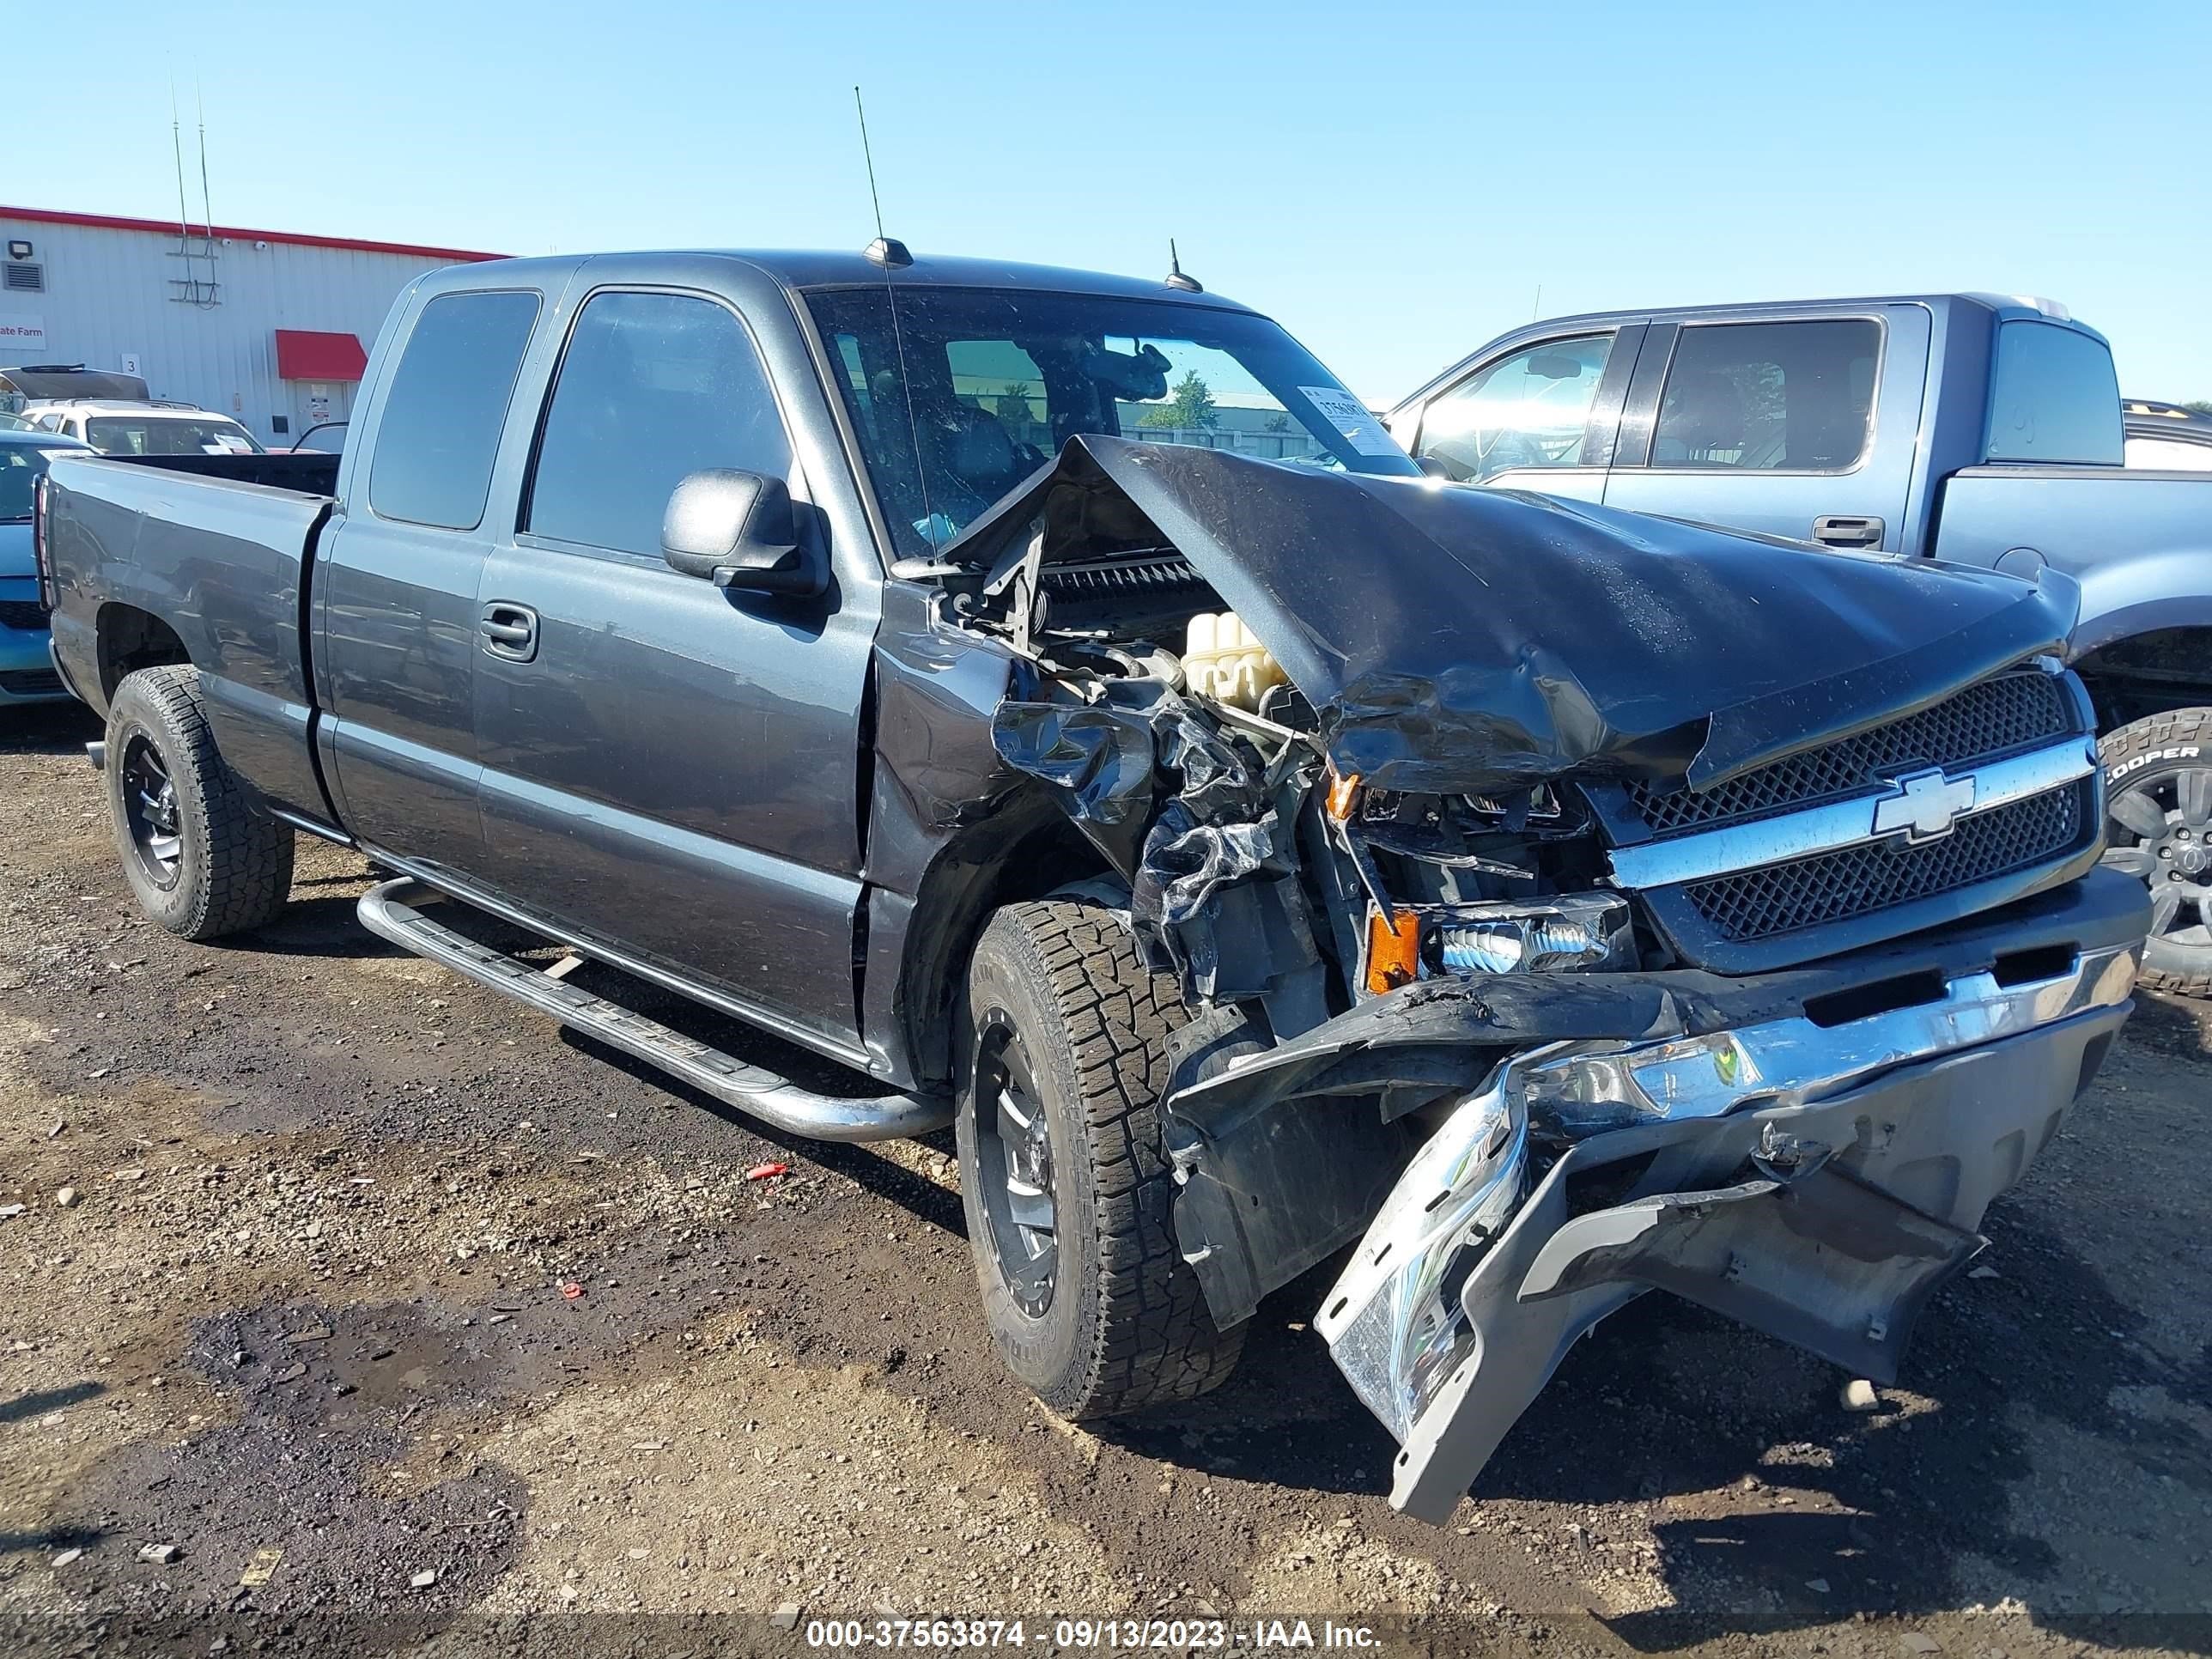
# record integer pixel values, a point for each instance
(22, 336)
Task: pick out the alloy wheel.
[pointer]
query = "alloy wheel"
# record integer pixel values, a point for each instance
(1013, 1146)
(151, 808)
(2166, 823)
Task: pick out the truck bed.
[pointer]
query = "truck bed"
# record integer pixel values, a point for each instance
(205, 542)
(2134, 539)
(314, 473)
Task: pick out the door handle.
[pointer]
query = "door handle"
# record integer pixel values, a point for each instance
(1847, 530)
(509, 630)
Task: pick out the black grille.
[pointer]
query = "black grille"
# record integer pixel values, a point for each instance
(31, 682)
(1781, 898)
(1117, 575)
(25, 614)
(2014, 711)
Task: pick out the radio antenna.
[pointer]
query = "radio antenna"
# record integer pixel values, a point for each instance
(1176, 278)
(887, 254)
(177, 144)
(207, 208)
(868, 155)
(190, 285)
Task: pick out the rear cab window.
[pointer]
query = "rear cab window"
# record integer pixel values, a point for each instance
(2054, 398)
(438, 434)
(1789, 397)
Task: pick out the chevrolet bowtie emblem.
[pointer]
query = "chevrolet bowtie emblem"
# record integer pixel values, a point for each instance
(1924, 805)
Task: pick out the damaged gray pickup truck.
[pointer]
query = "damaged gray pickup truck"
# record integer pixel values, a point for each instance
(1053, 699)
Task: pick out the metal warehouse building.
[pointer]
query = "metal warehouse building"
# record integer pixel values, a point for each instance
(267, 327)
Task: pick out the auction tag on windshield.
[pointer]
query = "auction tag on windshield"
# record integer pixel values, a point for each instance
(1349, 415)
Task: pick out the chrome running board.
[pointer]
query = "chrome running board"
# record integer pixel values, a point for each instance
(389, 911)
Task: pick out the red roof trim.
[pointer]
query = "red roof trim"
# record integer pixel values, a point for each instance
(311, 354)
(168, 227)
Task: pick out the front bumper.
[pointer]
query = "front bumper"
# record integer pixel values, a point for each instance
(1817, 1179)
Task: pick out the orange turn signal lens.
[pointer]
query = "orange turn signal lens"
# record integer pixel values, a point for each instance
(1393, 951)
(1343, 795)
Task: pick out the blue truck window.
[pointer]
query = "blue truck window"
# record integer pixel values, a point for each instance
(2053, 396)
(653, 387)
(438, 434)
(19, 470)
(1531, 409)
(1769, 396)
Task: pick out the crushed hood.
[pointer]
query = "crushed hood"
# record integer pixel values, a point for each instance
(1453, 638)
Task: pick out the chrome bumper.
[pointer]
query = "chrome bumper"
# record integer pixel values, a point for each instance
(1818, 1182)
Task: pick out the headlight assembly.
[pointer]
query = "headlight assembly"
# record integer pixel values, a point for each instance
(1566, 933)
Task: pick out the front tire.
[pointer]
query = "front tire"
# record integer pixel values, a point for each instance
(200, 858)
(2158, 786)
(1067, 1187)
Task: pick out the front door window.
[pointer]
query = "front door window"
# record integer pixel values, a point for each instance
(1530, 408)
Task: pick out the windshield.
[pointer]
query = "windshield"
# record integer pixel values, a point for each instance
(999, 379)
(168, 435)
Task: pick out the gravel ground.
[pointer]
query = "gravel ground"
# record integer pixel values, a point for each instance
(392, 1317)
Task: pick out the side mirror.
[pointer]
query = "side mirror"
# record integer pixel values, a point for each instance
(738, 530)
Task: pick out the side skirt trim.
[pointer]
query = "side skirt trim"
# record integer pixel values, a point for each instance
(390, 911)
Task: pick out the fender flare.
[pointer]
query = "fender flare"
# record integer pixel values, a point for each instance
(2099, 629)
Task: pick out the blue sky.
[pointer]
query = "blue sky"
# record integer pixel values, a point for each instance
(1393, 183)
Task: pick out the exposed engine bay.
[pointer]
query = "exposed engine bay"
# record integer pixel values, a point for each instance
(1137, 675)
(1531, 833)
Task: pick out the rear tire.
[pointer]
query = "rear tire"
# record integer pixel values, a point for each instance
(1065, 1029)
(2158, 784)
(200, 858)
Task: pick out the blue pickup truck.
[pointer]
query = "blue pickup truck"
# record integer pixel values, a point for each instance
(1975, 429)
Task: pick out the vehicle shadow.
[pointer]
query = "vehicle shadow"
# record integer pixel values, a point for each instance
(325, 924)
(63, 1537)
(37, 1404)
(47, 728)
(870, 1169)
(1779, 1511)
(2170, 1025)
(322, 926)
(1285, 1417)
(1770, 1507)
